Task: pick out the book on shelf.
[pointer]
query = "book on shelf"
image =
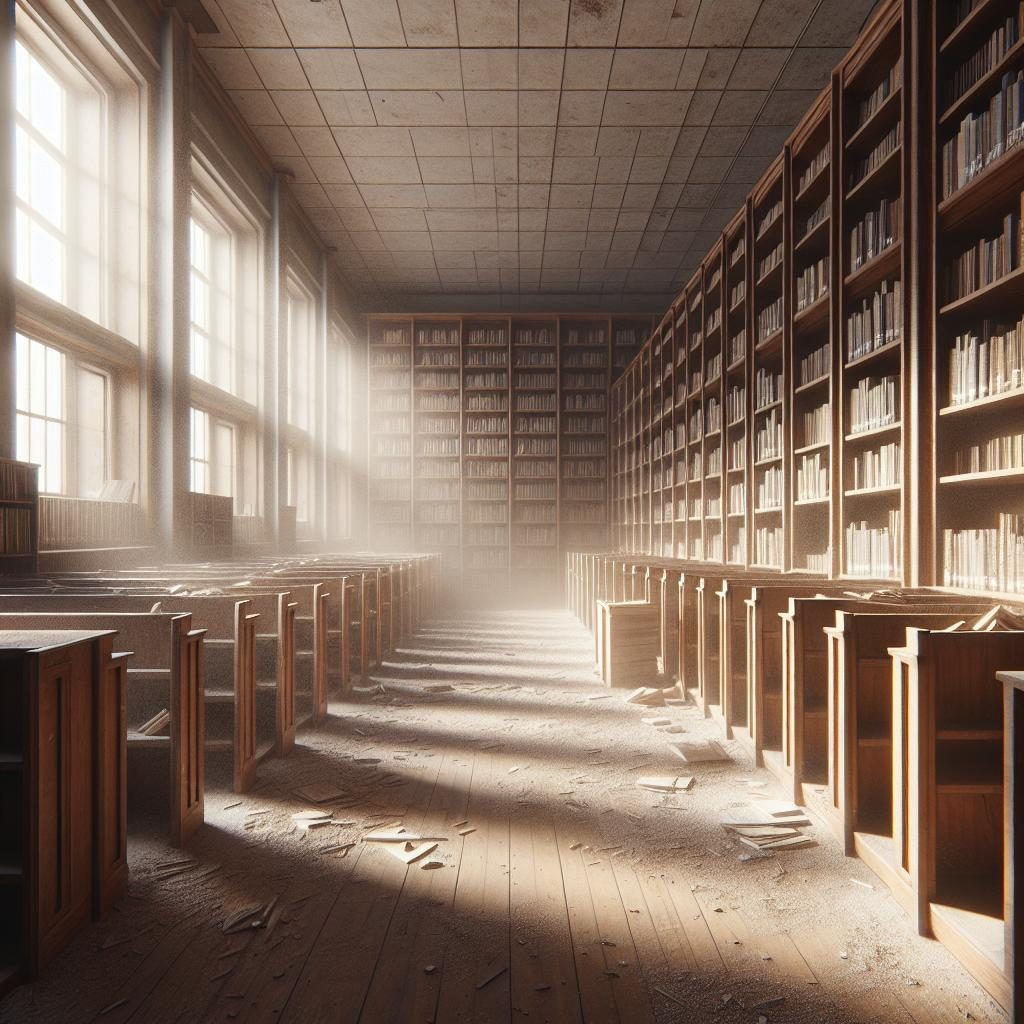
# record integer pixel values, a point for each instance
(812, 283)
(439, 381)
(812, 477)
(770, 215)
(713, 463)
(873, 404)
(869, 105)
(768, 263)
(737, 346)
(479, 468)
(738, 453)
(815, 166)
(437, 446)
(961, 79)
(881, 467)
(874, 551)
(767, 388)
(490, 334)
(877, 230)
(987, 558)
(769, 319)
(984, 137)
(437, 335)
(769, 489)
(534, 491)
(737, 499)
(993, 455)
(487, 381)
(768, 546)
(987, 260)
(433, 468)
(735, 405)
(390, 360)
(768, 437)
(534, 336)
(816, 364)
(863, 167)
(536, 446)
(817, 424)
(989, 361)
(593, 336)
(391, 336)
(876, 321)
(485, 357)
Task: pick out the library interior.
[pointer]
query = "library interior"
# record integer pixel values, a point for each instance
(425, 425)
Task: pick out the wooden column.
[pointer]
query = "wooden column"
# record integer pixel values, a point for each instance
(327, 391)
(168, 365)
(7, 364)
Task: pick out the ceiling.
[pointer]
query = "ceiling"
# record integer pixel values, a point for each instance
(524, 154)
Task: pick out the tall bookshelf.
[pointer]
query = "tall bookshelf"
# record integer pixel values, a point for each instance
(769, 480)
(535, 557)
(390, 438)
(437, 439)
(878, 271)
(736, 337)
(489, 440)
(714, 354)
(583, 433)
(808, 391)
(874, 380)
(978, 115)
(486, 442)
(19, 517)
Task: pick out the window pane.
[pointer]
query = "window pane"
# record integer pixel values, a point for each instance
(47, 185)
(46, 104)
(91, 432)
(53, 460)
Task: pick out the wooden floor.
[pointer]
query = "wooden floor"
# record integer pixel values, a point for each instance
(573, 896)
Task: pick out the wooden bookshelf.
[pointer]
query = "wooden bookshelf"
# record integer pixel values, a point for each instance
(480, 440)
(884, 347)
(390, 434)
(437, 438)
(808, 389)
(486, 442)
(978, 383)
(534, 500)
(19, 517)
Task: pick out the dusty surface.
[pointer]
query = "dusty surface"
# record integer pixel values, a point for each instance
(573, 895)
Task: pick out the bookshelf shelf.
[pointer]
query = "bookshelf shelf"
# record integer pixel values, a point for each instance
(869, 133)
(984, 85)
(1000, 297)
(884, 176)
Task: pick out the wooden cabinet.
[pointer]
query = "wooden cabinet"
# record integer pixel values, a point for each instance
(62, 743)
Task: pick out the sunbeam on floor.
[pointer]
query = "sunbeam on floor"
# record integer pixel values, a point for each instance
(558, 889)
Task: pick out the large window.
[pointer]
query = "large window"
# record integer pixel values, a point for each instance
(213, 301)
(211, 454)
(301, 404)
(62, 419)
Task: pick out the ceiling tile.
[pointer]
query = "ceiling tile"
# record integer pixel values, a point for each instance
(255, 22)
(594, 22)
(374, 24)
(645, 69)
(438, 141)
(646, 108)
(232, 67)
(442, 169)
(298, 107)
(319, 24)
(374, 141)
(331, 69)
(543, 22)
(419, 108)
(278, 69)
(587, 69)
(490, 69)
(540, 69)
(410, 69)
(384, 170)
(344, 108)
(487, 22)
(491, 107)
(429, 22)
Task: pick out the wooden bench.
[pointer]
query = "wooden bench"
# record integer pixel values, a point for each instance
(62, 775)
(166, 674)
(242, 666)
(945, 861)
(858, 794)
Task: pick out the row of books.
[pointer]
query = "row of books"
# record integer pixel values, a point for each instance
(812, 283)
(437, 334)
(584, 424)
(768, 263)
(539, 358)
(392, 514)
(531, 512)
(735, 405)
(869, 105)
(390, 490)
(882, 467)
(993, 454)
(438, 513)
(587, 401)
(540, 468)
(443, 381)
(817, 425)
(391, 447)
(431, 359)
(491, 446)
(536, 446)
(738, 454)
(589, 490)
(594, 336)
(737, 499)
(574, 446)
(534, 491)
(737, 347)
(713, 416)
(486, 490)
(17, 533)
(812, 477)
(970, 71)
(486, 357)
(818, 163)
(437, 446)
(437, 469)
(770, 215)
(738, 547)
(877, 322)
(817, 216)
(391, 336)
(816, 364)
(433, 403)
(768, 546)
(584, 513)
(584, 360)
(489, 335)
(537, 536)
(769, 489)
(486, 402)
(390, 401)
(394, 425)
(489, 512)
(873, 404)
(987, 362)
(876, 232)
(583, 469)
(714, 367)
(984, 136)
(429, 490)
(535, 424)
(986, 261)
(769, 320)
(738, 293)
(874, 551)
(437, 424)
(767, 388)
(990, 558)
(768, 437)
(863, 167)
(481, 469)
(535, 336)
(487, 381)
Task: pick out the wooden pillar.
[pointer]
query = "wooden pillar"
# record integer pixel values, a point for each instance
(168, 369)
(275, 462)
(7, 268)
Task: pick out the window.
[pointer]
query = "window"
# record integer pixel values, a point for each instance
(91, 430)
(298, 484)
(299, 357)
(57, 163)
(42, 411)
(212, 299)
(211, 455)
